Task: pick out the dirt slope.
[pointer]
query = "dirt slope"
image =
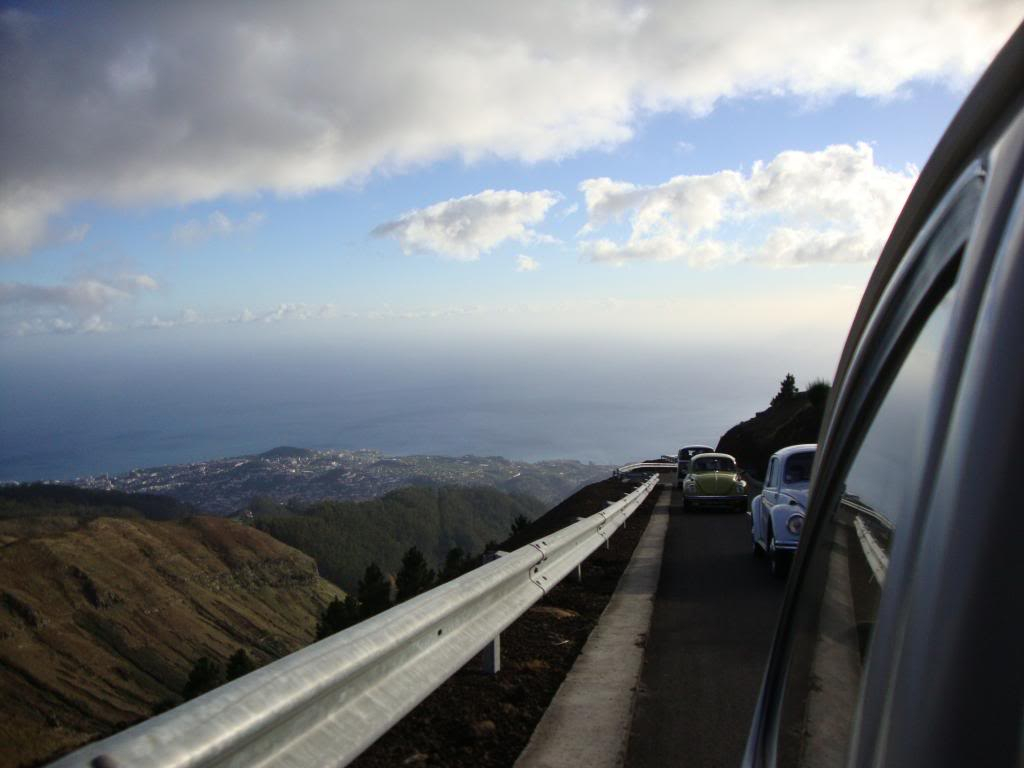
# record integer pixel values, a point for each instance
(101, 620)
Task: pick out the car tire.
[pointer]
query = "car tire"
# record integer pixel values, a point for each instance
(778, 561)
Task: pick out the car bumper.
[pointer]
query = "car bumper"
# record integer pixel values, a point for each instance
(736, 501)
(786, 546)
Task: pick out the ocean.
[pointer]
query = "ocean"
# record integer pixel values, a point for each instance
(74, 414)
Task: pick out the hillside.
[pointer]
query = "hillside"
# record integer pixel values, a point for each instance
(101, 619)
(345, 536)
(50, 500)
(792, 420)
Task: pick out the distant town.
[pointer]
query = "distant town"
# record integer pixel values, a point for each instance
(228, 485)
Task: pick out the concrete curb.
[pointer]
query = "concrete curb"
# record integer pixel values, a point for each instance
(588, 721)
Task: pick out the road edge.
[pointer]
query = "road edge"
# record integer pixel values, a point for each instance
(588, 721)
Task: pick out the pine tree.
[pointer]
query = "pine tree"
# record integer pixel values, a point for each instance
(205, 676)
(374, 592)
(454, 565)
(787, 389)
(414, 577)
(338, 615)
(519, 522)
(239, 664)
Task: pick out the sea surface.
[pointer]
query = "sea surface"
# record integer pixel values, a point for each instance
(75, 414)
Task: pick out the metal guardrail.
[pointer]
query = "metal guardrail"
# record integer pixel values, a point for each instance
(654, 466)
(325, 704)
(876, 557)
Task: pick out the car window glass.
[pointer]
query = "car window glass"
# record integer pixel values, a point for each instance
(845, 571)
(714, 464)
(769, 479)
(798, 468)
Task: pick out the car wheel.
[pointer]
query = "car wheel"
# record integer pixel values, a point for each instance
(778, 561)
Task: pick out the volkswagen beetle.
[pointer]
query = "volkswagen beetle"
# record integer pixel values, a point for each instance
(777, 513)
(713, 482)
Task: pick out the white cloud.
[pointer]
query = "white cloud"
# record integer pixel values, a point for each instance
(465, 227)
(217, 224)
(296, 312)
(175, 103)
(280, 313)
(526, 264)
(831, 206)
(78, 306)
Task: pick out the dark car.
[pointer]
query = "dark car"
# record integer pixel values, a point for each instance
(901, 640)
(683, 460)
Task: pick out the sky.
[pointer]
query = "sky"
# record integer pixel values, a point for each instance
(183, 178)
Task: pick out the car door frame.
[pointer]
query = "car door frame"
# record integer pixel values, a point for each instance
(900, 288)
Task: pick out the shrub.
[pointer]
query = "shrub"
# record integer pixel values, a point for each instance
(205, 676)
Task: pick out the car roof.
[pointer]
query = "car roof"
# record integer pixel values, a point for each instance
(691, 447)
(714, 456)
(789, 450)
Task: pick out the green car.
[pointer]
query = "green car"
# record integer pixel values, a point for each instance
(713, 483)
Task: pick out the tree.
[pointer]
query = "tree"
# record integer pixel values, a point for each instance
(519, 523)
(454, 565)
(374, 592)
(239, 664)
(787, 389)
(338, 615)
(817, 392)
(414, 577)
(205, 676)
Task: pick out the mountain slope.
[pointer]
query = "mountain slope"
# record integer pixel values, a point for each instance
(102, 619)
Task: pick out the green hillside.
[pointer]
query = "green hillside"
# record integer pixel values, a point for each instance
(344, 536)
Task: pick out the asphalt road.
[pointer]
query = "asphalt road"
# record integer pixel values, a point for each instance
(714, 616)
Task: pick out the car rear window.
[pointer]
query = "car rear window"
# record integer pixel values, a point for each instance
(714, 464)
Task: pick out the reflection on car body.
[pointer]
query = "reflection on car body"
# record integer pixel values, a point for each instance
(899, 640)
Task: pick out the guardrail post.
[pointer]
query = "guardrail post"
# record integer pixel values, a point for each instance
(489, 658)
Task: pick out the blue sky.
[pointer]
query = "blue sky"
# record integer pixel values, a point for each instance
(188, 177)
(318, 248)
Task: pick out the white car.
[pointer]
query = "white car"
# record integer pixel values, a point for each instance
(683, 462)
(777, 513)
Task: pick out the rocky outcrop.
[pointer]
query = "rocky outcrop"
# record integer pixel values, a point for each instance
(790, 421)
(101, 620)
